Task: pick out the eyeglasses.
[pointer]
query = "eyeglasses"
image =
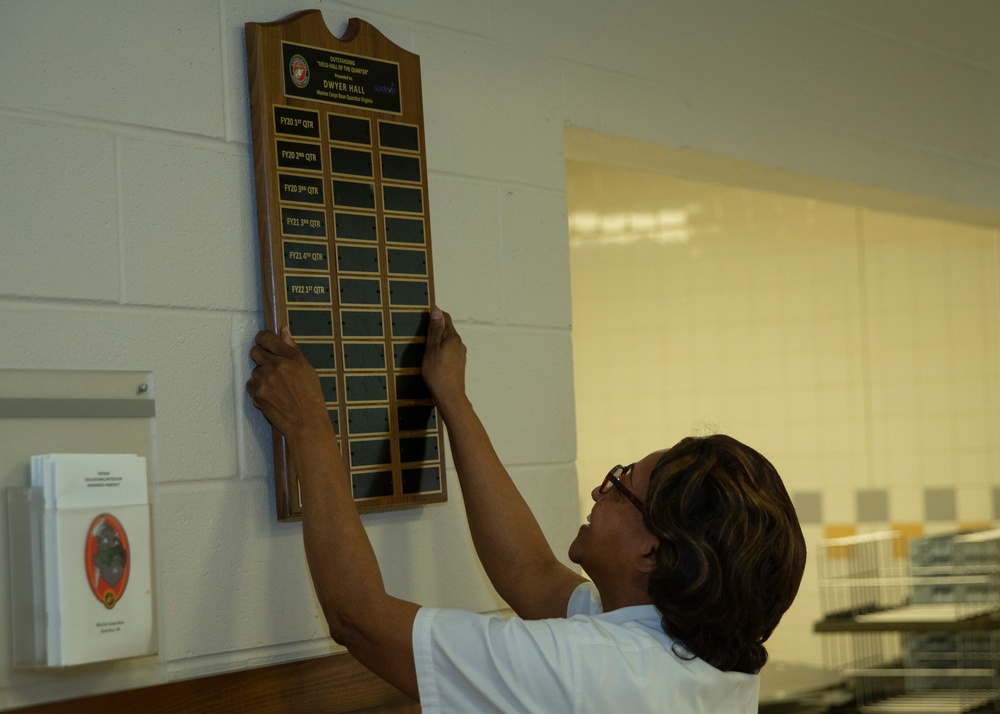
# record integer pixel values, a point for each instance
(614, 479)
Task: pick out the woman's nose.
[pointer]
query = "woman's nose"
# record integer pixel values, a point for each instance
(596, 493)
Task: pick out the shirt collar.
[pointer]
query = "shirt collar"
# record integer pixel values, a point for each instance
(642, 613)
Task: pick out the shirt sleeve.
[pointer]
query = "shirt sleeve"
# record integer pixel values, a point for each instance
(468, 662)
(585, 600)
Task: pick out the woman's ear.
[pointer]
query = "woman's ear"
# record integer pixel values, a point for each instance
(646, 561)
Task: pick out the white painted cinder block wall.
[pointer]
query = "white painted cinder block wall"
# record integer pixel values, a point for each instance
(129, 241)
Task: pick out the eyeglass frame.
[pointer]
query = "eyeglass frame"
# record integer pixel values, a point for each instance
(614, 479)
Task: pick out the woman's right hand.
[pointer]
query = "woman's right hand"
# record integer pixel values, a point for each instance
(443, 367)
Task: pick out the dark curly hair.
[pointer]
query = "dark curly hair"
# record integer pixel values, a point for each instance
(731, 552)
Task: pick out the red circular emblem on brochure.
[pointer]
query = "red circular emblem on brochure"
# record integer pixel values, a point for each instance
(106, 559)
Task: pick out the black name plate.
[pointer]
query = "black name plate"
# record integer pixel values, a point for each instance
(340, 78)
(306, 256)
(296, 155)
(301, 222)
(303, 189)
(296, 122)
(307, 288)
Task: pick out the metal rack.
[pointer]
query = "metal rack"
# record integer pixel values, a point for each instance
(915, 625)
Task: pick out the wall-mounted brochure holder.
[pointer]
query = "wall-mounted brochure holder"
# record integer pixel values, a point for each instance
(74, 462)
(80, 560)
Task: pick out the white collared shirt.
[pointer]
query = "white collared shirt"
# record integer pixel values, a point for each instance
(591, 661)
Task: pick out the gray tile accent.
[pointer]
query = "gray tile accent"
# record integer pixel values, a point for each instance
(873, 506)
(808, 506)
(939, 504)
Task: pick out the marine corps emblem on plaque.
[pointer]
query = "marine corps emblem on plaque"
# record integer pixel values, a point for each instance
(298, 69)
(106, 558)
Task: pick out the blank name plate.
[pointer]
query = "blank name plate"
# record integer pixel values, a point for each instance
(345, 245)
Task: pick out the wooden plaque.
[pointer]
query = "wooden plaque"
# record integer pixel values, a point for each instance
(345, 245)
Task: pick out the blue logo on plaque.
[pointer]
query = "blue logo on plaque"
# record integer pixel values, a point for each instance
(298, 68)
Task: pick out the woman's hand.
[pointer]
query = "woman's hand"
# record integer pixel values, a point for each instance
(284, 386)
(444, 360)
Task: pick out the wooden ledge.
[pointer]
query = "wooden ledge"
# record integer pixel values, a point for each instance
(336, 684)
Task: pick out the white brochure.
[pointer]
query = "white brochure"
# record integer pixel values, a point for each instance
(96, 555)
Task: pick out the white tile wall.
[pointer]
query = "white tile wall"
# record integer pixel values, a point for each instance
(855, 349)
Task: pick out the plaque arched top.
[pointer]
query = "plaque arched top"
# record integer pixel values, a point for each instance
(360, 37)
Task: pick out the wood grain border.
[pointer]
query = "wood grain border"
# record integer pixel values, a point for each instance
(336, 684)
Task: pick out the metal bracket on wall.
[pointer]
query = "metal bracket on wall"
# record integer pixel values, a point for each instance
(53, 394)
(85, 408)
(45, 411)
